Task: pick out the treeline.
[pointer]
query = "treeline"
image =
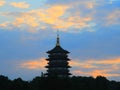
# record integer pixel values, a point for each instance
(71, 83)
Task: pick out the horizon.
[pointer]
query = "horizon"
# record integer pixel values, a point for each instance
(88, 29)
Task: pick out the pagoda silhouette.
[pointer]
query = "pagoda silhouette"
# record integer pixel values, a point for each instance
(58, 65)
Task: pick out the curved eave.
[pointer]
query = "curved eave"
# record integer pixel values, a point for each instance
(51, 51)
(57, 49)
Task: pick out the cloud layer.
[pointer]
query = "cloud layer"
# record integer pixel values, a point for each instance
(97, 67)
(34, 64)
(2, 2)
(88, 68)
(61, 15)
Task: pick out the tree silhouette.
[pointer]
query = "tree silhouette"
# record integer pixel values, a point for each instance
(59, 83)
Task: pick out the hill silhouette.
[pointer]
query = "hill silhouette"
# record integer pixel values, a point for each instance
(57, 83)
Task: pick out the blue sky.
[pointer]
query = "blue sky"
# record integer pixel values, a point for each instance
(89, 29)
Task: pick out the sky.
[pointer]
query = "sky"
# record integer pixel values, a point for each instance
(89, 29)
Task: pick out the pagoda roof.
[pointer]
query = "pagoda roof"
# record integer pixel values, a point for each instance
(58, 49)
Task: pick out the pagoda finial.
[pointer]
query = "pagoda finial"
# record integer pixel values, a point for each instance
(58, 39)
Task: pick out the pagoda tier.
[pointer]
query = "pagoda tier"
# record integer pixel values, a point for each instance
(58, 64)
(58, 49)
(58, 56)
(60, 72)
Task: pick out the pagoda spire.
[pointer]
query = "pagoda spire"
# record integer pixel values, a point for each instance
(58, 39)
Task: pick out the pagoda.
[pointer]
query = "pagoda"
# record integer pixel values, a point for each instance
(58, 65)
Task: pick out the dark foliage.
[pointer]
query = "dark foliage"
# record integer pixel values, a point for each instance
(55, 83)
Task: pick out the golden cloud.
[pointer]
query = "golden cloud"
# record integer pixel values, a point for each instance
(20, 4)
(34, 64)
(56, 17)
(2, 3)
(51, 15)
(37, 18)
(105, 73)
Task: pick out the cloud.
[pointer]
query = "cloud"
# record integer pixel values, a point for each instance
(90, 5)
(50, 15)
(34, 64)
(109, 61)
(95, 63)
(66, 16)
(105, 67)
(95, 73)
(29, 20)
(56, 17)
(113, 17)
(39, 18)
(20, 4)
(2, 25)
(2, 2)
(88, 68)
(77, 63)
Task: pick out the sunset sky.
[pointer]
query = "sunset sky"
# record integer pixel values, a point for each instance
(89, 29)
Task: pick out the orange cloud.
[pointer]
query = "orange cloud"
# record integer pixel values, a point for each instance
(107, 61)
(34, 64)
(81, 64)
(20, 4)
(79, 72)
(96, 73)
(4, 24)
(103, 67)
(92, 63)
(2, 3)
(56, 11)
(89, 65)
